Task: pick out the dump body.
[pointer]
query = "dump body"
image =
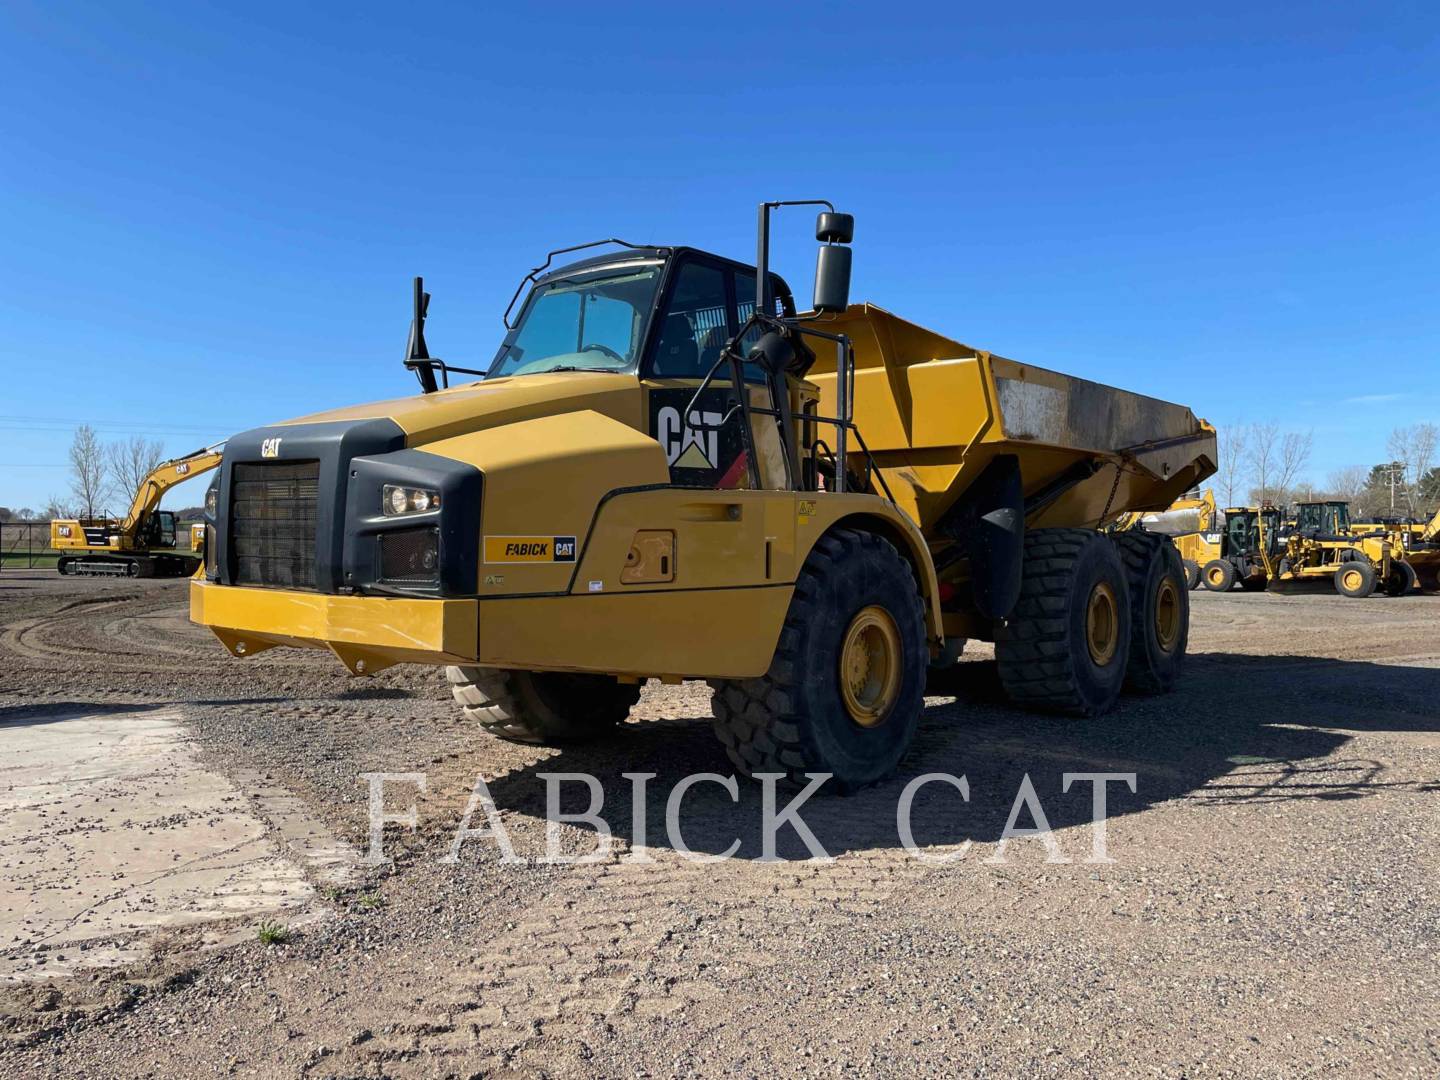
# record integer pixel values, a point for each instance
(934, 413)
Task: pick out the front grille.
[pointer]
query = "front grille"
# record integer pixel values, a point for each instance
(274, 512)
(410, 556)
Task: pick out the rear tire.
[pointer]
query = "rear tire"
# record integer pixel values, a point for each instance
(1401, 580)
(1218, 576)
(1066, 644)
(541, 707)
(1355, 578)
(1192, 575)
(846, 684)
(1159, 612)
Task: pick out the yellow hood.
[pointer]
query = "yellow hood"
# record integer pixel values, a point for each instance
(476, 406)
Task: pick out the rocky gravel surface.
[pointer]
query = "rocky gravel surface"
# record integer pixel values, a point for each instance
(1272, 908)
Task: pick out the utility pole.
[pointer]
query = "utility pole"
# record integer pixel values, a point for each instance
(1396, 471)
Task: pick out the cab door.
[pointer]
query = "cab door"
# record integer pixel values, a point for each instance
(706, 448)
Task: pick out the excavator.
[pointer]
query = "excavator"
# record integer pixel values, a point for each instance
(142, 544)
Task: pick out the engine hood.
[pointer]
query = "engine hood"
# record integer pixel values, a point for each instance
(426, 418)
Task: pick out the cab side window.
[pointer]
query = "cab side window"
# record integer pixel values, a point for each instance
(694, 328)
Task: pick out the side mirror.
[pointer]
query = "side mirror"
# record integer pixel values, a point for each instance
(832, 267)
(832, 279)
(772, 352)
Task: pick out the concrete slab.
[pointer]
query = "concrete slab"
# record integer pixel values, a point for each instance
(111, 829)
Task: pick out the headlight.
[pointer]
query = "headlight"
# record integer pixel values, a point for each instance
(212, 499)
(407, 500)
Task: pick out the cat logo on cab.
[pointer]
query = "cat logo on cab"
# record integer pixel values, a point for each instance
(270, 447)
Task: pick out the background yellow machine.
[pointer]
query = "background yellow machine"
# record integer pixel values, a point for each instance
(667, 471)
(142, 543)
(1322, 546)
(1193, 522)
(1419, 541)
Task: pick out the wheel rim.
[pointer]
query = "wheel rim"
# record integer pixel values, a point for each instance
(1216, 576)
(870, 666)
(1102, 624)
(1352, 579)
(1167, 615)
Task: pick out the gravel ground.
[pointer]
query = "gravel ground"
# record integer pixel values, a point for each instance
(1271, 910)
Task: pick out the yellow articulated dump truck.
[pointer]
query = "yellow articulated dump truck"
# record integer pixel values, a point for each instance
(668, 471)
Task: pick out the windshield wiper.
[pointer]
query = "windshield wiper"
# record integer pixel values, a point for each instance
(572, 367)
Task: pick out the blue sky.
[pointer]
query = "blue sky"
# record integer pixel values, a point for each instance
(209, 215)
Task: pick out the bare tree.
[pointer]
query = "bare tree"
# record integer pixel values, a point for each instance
(1231, 454)
(1348, 483)
(89, 471)
(1263, 455)
(133, 460)
(1414, 447)
(1293, 456)
(57, 507)
(25, 514)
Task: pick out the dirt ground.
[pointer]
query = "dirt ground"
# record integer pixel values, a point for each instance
(1272, 908)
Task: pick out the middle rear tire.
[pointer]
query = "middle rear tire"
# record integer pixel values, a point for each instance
(1066, 645)
(1401, 579)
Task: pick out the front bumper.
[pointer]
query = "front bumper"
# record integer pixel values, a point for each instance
(366, 633)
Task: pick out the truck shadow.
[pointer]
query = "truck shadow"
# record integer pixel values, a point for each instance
(1241, 728)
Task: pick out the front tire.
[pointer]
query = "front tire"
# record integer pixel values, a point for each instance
(544, 708)
(1066, 644)
(1159, 612)
(1355, 578)
(846, 684)
(1218, 575)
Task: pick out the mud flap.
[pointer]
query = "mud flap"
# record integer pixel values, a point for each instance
(988, 523)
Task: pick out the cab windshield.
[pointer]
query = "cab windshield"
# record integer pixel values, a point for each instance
(591, 321)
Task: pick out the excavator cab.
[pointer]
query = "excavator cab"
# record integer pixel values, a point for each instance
(159, 531)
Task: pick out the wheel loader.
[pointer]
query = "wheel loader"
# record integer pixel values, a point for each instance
(670, 471)
(1322, 547)
(143, 542)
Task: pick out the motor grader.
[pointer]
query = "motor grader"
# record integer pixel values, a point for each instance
(1243, 549)
(143, 542)
(669, 471)
(1321, 546)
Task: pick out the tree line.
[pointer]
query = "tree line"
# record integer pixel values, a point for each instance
(1261, 463)
(104, 477)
